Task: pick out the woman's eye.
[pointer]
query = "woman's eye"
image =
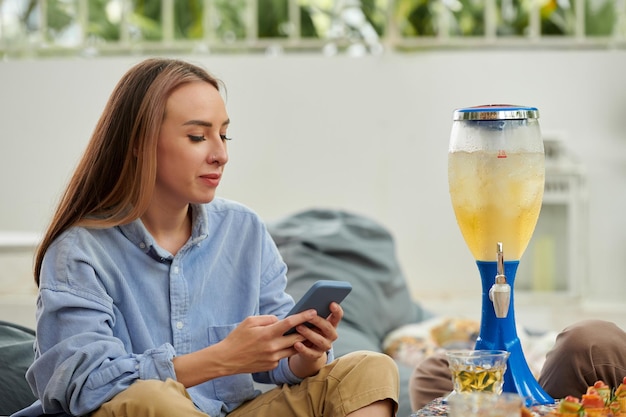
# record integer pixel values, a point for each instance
(195, 138)
(224, 137)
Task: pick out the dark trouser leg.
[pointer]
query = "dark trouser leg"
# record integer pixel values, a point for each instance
(584, 353)
(431, 379)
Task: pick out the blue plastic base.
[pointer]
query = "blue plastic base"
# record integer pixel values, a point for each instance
(501, 334)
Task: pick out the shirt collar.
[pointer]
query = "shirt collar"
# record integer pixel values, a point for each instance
(137, 233)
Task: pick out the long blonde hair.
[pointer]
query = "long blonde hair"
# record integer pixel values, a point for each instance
(115, 178)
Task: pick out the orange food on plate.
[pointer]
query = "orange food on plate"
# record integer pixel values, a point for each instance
(602, 389)
(569, 405)
(599, 401)
(621, 390)
(594, 405)
(620, 398)
(592, 400)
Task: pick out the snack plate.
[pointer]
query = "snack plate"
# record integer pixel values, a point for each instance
(437, 408)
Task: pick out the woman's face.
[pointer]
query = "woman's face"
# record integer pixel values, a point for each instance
(191, 150)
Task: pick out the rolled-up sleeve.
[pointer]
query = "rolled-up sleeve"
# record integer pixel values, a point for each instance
(283, 374)
(157, 363)
(76, 371)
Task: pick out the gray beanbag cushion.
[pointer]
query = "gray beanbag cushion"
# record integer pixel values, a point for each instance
(337, 245)
(16, 355)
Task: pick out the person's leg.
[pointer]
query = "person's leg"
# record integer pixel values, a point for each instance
(431, 379)
(584, 353)
(359, 382)
(152, 398)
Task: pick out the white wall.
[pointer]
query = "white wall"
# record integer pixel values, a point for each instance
(365, 134)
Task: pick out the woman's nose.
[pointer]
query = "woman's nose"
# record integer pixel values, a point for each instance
(219, 155)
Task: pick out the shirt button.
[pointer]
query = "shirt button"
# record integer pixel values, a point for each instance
(179, 325)
(142, 245)
(175, 270)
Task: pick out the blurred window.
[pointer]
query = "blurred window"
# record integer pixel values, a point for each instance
(101, 27)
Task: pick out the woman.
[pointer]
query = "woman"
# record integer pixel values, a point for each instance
(158, 298)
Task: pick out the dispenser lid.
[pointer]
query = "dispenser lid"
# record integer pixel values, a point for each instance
(496, 112)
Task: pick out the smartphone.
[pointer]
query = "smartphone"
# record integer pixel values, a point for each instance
(319, 297)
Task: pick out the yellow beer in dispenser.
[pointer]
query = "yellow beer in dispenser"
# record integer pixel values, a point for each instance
(496, 197)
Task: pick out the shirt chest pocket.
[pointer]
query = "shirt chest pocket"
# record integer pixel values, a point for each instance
(234, 388)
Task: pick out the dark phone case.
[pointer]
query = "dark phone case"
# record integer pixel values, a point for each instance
(319, 297)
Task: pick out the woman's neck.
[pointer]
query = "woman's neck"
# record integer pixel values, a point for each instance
(170, 228)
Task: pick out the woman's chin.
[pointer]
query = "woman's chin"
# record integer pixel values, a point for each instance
(205, 199)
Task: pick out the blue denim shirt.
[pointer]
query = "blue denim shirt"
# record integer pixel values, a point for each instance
(114, 307)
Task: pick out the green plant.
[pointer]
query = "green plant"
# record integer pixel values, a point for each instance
(227, 18)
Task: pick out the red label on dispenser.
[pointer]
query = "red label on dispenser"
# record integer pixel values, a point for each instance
(501, 154)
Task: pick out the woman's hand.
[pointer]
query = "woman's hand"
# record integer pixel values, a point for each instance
(257, 344)
(311, 352)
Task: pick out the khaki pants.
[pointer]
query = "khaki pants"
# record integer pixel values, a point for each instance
(584, 353)
(341, 387)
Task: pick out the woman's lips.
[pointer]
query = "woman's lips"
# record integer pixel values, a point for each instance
(212, 180)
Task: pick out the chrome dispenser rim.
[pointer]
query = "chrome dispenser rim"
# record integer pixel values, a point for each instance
(496, 112)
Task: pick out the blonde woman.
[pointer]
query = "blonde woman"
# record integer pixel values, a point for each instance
(157, 298)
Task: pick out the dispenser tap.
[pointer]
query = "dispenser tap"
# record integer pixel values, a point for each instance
(500, 292)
